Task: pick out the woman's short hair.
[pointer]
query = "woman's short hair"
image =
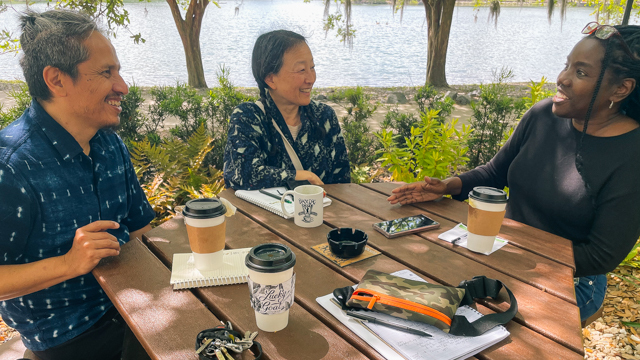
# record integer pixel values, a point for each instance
(268, 53)
(52, 38)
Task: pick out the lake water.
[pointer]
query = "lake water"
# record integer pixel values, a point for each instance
(386, 51)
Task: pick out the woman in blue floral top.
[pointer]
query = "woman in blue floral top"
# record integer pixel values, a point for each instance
(255, 156)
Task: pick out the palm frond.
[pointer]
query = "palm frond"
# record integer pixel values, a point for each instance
(174, 173)
(197, 142)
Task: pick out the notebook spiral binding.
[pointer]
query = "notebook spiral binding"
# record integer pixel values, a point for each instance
(226, 280)
(254, 197)
(184, 274)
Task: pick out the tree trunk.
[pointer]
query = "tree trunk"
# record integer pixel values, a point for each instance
(189, 30)
(439, 16)
(627, 12)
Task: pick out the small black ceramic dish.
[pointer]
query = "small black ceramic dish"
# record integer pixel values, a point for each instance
(347, 242)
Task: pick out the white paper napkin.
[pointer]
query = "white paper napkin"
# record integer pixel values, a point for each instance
(459, 235)
(231, 210)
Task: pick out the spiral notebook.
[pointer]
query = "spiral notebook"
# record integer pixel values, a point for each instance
(271, 202)
(184, 274)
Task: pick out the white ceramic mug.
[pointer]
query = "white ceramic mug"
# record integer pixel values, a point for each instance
(308, 206)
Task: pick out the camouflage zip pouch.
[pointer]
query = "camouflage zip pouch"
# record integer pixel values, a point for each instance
(407, 299)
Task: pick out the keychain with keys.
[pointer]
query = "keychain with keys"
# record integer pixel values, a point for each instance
(215, 343)
(226, 353)
(205, 343)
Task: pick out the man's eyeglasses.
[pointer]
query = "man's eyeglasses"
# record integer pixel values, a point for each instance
(604, 32)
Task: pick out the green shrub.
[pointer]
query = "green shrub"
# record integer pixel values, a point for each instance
(401, 124)
(338, 95)
(537, 92)
(428, 98)
(633, 258)
(181, 101)
(433, 149)
(364, 174)
(212, 111)
(361, 144)
(133, 123)
(218, 107)
(494, 116)
(23, 100)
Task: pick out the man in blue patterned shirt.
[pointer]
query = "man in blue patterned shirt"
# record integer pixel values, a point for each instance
(70, 196)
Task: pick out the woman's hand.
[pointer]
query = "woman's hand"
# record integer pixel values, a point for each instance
(309, 176)
(428, 190)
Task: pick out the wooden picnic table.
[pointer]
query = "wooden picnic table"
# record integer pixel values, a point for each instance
(537, 266)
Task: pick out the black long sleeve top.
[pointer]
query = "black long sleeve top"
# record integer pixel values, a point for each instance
(598, 210)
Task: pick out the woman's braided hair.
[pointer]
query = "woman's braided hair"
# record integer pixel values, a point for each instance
(621, 66)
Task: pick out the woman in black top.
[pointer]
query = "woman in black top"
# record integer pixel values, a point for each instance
(573, 163)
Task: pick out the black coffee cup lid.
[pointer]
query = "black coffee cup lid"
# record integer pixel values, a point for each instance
(270, 258)
(204, 208)
(488, 194)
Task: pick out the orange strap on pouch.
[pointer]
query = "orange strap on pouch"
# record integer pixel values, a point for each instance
(373, 297)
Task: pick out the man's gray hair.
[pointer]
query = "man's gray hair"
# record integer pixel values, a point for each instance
(52, 38)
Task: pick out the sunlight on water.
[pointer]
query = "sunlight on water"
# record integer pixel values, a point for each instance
(386, 52)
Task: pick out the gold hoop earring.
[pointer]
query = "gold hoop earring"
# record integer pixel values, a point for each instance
(611, 106)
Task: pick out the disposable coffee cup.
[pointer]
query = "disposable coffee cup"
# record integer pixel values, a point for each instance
(271, 284)
(206, 227)
(487, 207)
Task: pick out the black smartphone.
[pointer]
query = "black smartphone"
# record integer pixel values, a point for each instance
(292, 184)
(406, 225)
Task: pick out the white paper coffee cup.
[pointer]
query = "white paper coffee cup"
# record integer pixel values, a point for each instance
(206, 229)
(486, 211)
(271, 284)
(274, 322)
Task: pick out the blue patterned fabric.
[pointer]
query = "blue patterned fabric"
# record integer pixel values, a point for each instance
(255, 156)
(49, 188)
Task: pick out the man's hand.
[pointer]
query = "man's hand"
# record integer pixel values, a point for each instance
(430, 189)
(308, 175)
(90, 245)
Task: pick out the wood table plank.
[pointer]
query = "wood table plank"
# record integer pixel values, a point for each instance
(231, 302)
(527, 237)
(540, 311)
(518, 263)
(165, 322)
(305, 238)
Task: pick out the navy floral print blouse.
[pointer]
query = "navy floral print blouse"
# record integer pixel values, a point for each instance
(255, 156)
